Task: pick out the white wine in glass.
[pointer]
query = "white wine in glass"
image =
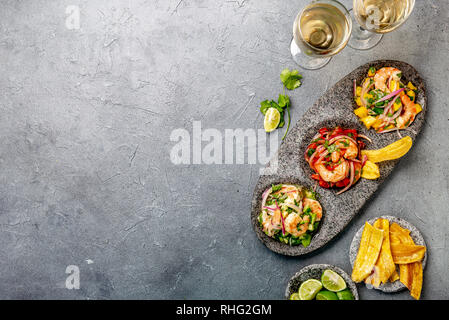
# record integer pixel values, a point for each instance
(321, 30)
(376, 17)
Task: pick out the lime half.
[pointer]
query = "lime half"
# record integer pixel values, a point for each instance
(272, 119)
(326, 295)
(345, 295)
(294, 296)
(309, 289)
(333, 281)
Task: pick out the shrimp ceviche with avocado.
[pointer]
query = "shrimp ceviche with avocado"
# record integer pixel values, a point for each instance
(290, 214)
(384, 102)
(334, 155)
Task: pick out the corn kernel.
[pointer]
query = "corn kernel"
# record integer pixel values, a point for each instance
(377, 124)
(368, 121)
(361, 112)
(359, 101)
(368, 96)
(411, 86)
(358, 91)
(394, 85)
(396, 106)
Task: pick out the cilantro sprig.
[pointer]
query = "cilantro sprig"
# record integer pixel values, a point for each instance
(290, 80)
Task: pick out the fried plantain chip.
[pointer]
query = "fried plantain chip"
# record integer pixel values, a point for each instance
(368, 253)
(395, 276)
(407, 253)
(417, 277)
(385, 263)
(393, 151)
(406, 275)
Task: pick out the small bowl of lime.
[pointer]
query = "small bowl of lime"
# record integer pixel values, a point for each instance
(321, 282)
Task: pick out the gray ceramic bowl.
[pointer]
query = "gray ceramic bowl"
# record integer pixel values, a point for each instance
(414, 233)
(314, 271)
(334, 108)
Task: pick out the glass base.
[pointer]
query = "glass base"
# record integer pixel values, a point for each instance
(305, 61)
(362, 39)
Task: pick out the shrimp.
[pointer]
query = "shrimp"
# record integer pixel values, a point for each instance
(292, 193)
(315, 206)
(335, 156)
(352, 150)
(382, 75)
(295, 225)
(409, 114)
(339, 173)
(271, 223)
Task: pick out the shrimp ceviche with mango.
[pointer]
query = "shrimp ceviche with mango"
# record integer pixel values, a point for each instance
(384, 102)
(334, 155)
(290, 214)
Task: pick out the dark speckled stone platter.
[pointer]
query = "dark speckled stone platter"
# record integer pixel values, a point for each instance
(314, 271)
(414, 233)
(334, 107)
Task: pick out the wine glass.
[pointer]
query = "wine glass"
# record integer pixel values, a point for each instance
(321, 30)
(376, 17)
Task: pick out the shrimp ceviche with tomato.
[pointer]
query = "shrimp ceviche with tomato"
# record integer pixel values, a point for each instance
(334, 155)
(384, 102)
(290, 214)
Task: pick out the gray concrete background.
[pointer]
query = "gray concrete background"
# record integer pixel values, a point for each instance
(85, 121)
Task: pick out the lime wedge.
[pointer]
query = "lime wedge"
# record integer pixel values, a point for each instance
(309, 289)
(333, 281)
(294, 296)
(345, 295)
(272, 119)
(326, 295)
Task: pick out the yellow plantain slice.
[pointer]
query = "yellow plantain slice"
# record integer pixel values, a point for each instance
(406, 275)
(385, 263)
(369, 250)
(417, 278)
(407, 253)
(393, 151)
(400, 235)
(395, 276)
(374, 277)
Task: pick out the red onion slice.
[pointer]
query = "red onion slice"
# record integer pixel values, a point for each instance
(334, 139)
(265, 196)
(365, 137)
(351, 179)
(390, 95)
(317, 151)
(355, 88)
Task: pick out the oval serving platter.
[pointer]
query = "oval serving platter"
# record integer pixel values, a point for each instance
(314, 271)
(417, 237)
(334, 108)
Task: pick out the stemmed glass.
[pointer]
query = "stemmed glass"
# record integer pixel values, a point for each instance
(321, 30)
(372, 18)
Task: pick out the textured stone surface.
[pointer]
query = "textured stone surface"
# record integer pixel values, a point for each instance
(414, 233)
(334, 108)
(315, 271)
(85, 121)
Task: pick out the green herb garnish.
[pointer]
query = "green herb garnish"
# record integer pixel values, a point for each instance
(291, 80)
